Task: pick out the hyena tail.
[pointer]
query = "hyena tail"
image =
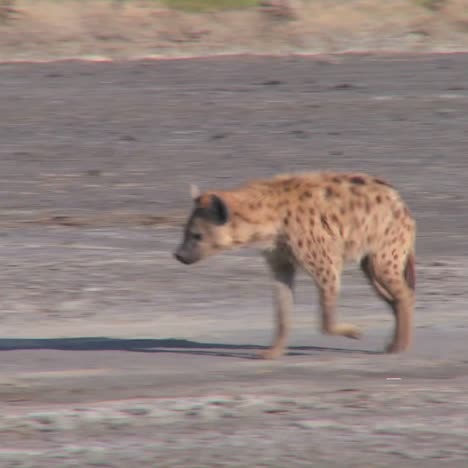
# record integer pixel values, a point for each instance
(410, 271)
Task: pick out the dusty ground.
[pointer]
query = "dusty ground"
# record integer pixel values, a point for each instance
(47, 29)
(115, 355)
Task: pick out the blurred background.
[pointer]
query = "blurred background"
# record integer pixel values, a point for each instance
(112, 353)
(41, 29)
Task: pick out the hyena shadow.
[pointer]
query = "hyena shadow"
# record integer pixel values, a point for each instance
(164, 345)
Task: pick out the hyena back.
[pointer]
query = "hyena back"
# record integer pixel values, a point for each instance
(317, 222)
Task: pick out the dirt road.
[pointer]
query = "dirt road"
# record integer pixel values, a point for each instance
(115, 355)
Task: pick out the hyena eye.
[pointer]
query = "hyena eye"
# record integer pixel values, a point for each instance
(196, 236)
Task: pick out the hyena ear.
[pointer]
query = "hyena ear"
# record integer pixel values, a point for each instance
(219, 210)
(194, 191)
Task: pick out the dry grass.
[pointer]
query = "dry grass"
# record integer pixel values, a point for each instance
(124, 29)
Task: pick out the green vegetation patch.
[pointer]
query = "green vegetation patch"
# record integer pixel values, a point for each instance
(431, 4)
(209, 5)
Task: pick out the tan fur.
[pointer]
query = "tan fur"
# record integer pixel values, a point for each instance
(317, 221)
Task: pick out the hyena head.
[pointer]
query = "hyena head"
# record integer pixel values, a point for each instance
(207, 230)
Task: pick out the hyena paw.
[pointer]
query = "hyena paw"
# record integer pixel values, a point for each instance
(271, 353)
(348, 330)
(396, 347)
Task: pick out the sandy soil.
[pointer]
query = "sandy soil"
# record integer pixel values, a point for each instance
(115, 355)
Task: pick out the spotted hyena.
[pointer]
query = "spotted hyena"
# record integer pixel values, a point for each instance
(315, 221)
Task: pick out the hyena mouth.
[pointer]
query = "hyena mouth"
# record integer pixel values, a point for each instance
(182, 259)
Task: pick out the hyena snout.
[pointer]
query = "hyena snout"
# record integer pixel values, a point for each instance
(185, 256)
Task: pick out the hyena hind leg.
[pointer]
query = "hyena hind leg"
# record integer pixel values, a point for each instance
(394, 283)
(367, 269)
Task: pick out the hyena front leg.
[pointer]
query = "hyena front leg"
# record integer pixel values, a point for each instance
(283, 270)
(327, 278)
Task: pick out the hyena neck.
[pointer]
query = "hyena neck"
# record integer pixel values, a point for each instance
(254, 218)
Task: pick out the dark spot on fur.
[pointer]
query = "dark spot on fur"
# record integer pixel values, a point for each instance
(378, 199)
(300, 243)
(312, 211)
(358, 180)
(381, 182)
(326, 226)
(307, 194)
(355, 191)
(256, 237)
(337, 180)
(286, 221)
(251, 206)
(350, 244)
(329, 192)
